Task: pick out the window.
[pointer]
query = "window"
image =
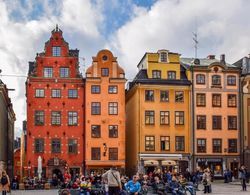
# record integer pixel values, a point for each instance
(163, 57)
(179, 96)
(149, 117)
(56, 93)
(39, 93)
(72, 146)
(179, 117)
(216, 122)
(201, 99)
(232, 122)
(232, 145)
(95, 89)
(95, 131)
(113, 108)
(200, 79)
(201, 122)
(105, 72)
(217, 145)
(231, 100)
(39, 145)
(72, 118)
(216, 80)
(156, 74)
(56, 145)
(48, 72)
(201, 146)
(72, 93)
(113, 131)
(149, 143)
(165, 143)
(56, 51)
(164, 96)
(64, 72)
(95, 154)
(149, 95)
(179, 143)
(95, 108)
(39, 117)
(113, 89)
(113, 153)
(216, 100)
(231, 80)
(171, 75)
(164, 117)
(56, 118)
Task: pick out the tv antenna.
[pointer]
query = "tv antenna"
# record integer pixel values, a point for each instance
(195, 39)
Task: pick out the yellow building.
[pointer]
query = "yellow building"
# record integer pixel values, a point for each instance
(158, 115)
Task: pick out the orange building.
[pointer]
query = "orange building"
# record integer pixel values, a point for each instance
(55, 104)
(17, 163)
(216, 114)
(105, 113)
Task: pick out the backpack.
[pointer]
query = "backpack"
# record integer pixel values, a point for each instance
(4, 180)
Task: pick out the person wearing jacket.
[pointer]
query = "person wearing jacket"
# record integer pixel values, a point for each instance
(206, 180)
(133, 187)
(4, 183)
(114, 181)
(243, 177)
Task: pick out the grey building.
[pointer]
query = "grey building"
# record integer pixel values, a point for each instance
(7, 119)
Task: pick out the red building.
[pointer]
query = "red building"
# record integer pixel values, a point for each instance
(55, 104)
(17, 163)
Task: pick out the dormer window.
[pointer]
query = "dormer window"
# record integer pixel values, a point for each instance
(216, 80)
(156, 74)
(171, 75)
(56, 51)
(163, 57)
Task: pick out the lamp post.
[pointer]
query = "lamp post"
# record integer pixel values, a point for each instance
(105, 149)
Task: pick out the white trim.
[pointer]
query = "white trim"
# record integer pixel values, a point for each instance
(161, 156)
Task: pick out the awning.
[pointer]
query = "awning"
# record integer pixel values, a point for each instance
(151, 163)
(168, 163)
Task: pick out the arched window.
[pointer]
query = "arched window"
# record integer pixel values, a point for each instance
(200, 79)
(216, 80)
(231, 80)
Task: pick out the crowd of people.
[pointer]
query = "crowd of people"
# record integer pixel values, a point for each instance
(112, 183)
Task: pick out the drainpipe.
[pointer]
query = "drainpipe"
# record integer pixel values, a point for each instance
(193, 117)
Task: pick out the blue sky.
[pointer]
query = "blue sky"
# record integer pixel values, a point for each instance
(129, 28)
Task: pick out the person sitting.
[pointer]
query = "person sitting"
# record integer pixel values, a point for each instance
(174, 185)
(158, 186)
(133, 187)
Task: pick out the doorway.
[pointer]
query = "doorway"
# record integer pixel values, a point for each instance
(234, 168)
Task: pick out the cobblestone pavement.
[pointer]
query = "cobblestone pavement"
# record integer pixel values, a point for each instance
(217, 188)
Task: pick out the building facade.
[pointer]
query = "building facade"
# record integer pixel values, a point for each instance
(55, 110)
(105, 114)
(17, 163)
(158, 115)
(7, 119)
(216, 114)
(244, 65)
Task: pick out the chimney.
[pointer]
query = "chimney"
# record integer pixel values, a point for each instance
(222, 59)
(249, 55)
(211, 57)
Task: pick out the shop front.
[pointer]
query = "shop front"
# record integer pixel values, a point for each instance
(219, 164)
(170, 162)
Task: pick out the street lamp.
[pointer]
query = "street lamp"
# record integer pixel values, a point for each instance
(105, 149)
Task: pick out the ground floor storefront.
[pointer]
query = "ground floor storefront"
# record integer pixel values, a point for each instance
(219, 164)
(55, 167)
(148, 163)
(100, 167)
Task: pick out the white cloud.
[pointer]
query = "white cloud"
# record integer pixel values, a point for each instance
(223, 27)
(21, 38)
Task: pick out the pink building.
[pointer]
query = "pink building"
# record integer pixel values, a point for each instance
(216, 110)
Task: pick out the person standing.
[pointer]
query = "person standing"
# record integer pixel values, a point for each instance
(206, 180)
(4, 183)
(114, 181)
(243, 177)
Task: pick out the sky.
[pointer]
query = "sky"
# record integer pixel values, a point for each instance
(129, 28)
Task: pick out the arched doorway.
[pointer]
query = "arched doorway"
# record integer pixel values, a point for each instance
(56, 172)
